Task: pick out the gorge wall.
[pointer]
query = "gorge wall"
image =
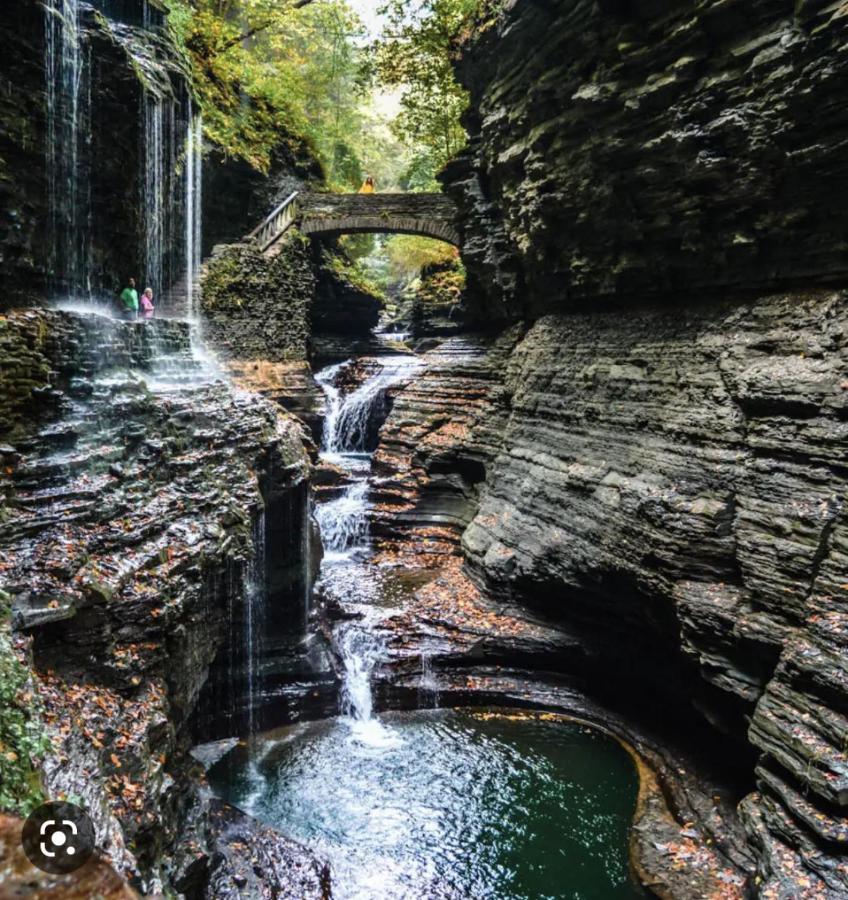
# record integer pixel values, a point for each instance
(93, 169)
(654, 193)
(647, 149)
(138, 495)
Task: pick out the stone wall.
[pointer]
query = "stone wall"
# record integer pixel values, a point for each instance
(257, 306)
(654, 191)
(629, 150)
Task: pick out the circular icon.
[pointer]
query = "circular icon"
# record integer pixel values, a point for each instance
(58, 837)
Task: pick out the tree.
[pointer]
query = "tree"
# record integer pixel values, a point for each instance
(268, 68)
(416, 54)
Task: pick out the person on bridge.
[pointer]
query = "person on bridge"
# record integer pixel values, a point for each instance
(367, 185)
(129, 301)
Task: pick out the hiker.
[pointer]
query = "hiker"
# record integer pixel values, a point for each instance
(367, 186)
(147, 303)
(129, 301)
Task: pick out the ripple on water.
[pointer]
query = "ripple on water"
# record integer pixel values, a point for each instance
(448, 804)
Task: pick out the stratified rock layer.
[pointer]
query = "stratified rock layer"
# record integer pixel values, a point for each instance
(653, 149)
(657, 192)
(136, 501)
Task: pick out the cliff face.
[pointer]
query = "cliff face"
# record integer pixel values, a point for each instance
(624, 150)
(104, 146)
(134, 510)
(655, 192)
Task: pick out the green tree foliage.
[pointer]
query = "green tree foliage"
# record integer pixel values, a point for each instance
(22, 738)
(409, 254)
(268, 68)
(416, 54)
(387, 264)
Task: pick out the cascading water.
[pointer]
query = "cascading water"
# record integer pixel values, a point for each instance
(171, 197)
(170, 143)
(254, 619)
(428, 683)
(193, 191)
(154, 191)
(428, 804)
(68, 149)
(350, 426)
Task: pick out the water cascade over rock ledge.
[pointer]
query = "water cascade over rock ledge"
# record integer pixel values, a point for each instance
(620, 503)
(137, 487)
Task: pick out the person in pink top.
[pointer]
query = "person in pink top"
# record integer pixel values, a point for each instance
(147, 304)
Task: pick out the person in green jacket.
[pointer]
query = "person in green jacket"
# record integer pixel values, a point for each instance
(129, 300)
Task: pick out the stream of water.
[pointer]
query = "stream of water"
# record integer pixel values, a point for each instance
(453, 804)
(350, 425)
(170, 135)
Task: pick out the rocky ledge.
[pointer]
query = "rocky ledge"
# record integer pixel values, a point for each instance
(633, 150)
(128, 527)
(650, 506)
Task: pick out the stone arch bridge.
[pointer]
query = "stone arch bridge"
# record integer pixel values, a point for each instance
(330, 215)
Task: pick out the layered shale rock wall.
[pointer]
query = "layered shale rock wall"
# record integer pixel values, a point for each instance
(649, 149)
(655, 193)
(136, 495)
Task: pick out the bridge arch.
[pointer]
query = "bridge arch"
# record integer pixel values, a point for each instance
(430, 215)
(318, 215)
(378, 225)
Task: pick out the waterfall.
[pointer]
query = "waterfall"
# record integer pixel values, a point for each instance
(349, 421)
(428, 684)
(326, 379)
(256, 594)
(360, 654)
(193, 218)
(344, 521)
(67, 69)
(169, 142)
(350, 424)
(171, 198)
(154, 191)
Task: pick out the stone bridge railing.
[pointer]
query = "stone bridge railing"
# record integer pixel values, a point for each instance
(430, 215)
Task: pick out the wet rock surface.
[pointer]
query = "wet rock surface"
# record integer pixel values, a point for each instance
(132, 61)
(128, 530)
(290, 384)
(234, 856)
(655, 503)
(450, 643)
